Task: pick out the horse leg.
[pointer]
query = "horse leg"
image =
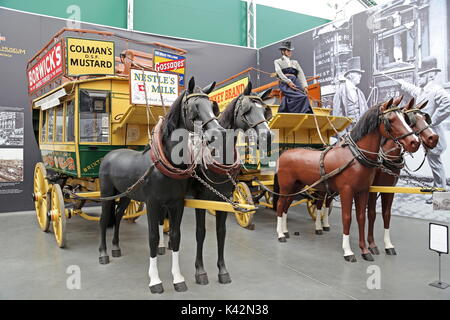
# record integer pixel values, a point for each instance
(153, 210)
(175, 216)
(221, 230)
(361, 205)
(387, 201)
(161, 245)
(346, 196)
(325, 222)
(123, 204)
(201, 277)
(371, 215)
(319, 212)
(106, 217)
(282, 208)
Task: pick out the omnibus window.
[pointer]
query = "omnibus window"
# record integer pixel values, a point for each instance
(59, 124)
(44, 125)
(70, 137)
(94, 116)
(51, 116)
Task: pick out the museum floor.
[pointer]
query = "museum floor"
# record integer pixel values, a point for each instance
(306, 267)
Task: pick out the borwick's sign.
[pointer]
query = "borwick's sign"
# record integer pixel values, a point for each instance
(46, 69)
(156, 85)
(89, 57)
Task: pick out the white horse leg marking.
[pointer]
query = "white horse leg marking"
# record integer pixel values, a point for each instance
(346, 246)
(177, 277)
(284, 224)
(161, 237)
(319, 219)
(153, 272)
(279, 227)
(325, 222)
(387, 240)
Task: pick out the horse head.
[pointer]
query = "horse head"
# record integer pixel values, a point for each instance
(197, 108)
(420, 122)
(251, 113)
(393, 126)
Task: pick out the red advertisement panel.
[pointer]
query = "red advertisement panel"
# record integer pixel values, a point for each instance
(46, 69)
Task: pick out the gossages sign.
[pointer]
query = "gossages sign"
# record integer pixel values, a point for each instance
(166, 85)
(46, 69)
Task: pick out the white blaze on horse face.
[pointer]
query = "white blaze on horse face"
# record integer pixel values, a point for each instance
(177, 277)
(387, 240)
(346, 246)
(161, 237)
(402, 119)
(153, 272)
(284, 224)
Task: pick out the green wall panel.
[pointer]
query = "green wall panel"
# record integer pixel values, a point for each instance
(210, 20)
(106, 12)
(276, 24)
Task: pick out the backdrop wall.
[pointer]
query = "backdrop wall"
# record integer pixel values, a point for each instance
(206, 61)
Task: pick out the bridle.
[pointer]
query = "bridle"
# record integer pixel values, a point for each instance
(240, 105)
(188, 113)
(412, 121)
(388, 126)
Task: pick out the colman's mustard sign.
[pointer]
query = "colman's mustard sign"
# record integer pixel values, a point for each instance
(89, 57)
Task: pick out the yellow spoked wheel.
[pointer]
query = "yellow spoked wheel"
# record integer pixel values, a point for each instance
(134, 211)
(40, 195)
(58, 215)
(166, 226)
(243, 195)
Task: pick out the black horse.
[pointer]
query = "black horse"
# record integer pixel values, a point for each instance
(163, 195)
(247, 111)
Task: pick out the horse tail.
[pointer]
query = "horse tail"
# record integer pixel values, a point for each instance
(276, 188)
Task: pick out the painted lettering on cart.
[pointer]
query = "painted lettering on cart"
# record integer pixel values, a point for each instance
(92, 165)
(46, 69)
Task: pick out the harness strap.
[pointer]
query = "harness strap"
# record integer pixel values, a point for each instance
(160, 160)
(360, 156)
(322, 167)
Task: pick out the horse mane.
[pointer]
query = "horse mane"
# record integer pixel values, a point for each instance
(226, 118)
(369, 121)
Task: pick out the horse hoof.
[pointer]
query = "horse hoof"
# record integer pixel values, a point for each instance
(286, 234)
(161, 251)
(351, 258)
(296, 233)
(326, 229)
(157, 288)
(374, 251)
(224, 278)
(180, 287)
(251, 227)
(319, 232)
(391, 252)
(116, 253)
(201, 279)
(282, 239)
(103, 259)
(367, 256)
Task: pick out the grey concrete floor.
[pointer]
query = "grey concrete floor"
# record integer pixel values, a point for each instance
(306, 267)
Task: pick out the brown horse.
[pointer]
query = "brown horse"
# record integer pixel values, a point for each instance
(300, 167)
(420, 123)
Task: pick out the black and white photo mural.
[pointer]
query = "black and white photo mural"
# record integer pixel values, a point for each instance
(399, 48)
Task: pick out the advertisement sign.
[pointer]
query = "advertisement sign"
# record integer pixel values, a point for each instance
(46, 69)
(90, 57)
(169, 62)
(153, 85)
(224, 95)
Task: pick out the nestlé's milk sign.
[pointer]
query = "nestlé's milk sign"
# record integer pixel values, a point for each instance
(46, 69)
(153, 85)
